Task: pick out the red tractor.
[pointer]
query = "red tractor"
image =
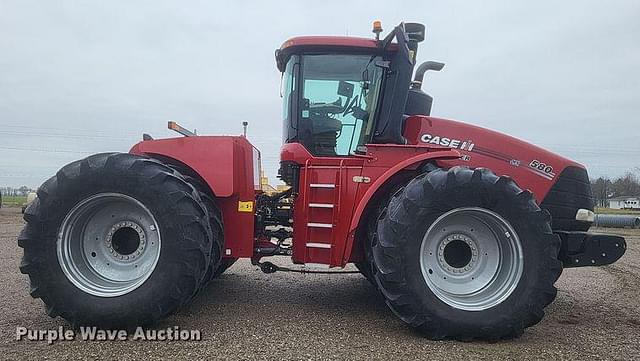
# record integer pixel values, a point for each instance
(463, 230)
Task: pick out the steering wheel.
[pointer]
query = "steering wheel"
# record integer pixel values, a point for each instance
(351, 103)
(355, 110)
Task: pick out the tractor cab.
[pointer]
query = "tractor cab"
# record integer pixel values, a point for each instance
(330, 101)
(340, 93)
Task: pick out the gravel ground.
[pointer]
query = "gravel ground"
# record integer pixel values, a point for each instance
(250, 315)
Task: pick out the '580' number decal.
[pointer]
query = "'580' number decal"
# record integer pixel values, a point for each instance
(542, 167)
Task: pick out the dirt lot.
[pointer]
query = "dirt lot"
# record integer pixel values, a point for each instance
(249, 315)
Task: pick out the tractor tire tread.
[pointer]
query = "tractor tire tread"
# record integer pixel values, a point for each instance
(420, 200)
(126, 173)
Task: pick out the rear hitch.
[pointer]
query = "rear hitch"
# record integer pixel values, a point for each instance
(581, 249)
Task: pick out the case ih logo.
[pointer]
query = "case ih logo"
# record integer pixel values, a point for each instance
(448, 142)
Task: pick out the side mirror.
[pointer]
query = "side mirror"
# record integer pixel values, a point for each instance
(415, 31)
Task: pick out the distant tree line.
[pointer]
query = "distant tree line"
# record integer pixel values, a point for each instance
(604, 188)
(15, 192)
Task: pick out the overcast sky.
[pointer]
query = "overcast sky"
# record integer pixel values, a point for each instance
(80, 77)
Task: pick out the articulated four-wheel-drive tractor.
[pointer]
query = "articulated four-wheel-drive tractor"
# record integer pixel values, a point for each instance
(463, 230)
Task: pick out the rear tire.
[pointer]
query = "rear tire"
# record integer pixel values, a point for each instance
(512, 284)
(218, 264)
(139, 197)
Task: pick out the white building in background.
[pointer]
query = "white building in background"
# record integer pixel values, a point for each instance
(625, 202)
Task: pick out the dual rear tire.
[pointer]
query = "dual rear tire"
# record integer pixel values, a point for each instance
(117, 241)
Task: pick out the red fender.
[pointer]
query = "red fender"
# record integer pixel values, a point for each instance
(362, 205)
(228, 166)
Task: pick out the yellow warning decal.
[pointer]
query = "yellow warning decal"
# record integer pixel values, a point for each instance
(245, 206)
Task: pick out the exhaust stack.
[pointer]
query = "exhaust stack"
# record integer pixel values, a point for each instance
(423, 68)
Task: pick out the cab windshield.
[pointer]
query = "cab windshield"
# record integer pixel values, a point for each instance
(336, 96)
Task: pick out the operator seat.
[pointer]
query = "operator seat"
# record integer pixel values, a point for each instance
(324, 128)
(324, 132)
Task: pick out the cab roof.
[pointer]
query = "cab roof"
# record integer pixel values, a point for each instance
(342, 44)
(346, 41)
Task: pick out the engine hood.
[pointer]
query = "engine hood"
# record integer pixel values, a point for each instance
(532, 167)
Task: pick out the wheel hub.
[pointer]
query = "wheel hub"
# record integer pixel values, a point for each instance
(125, 241)
(471, 258)
(457, 253)
(109, 244)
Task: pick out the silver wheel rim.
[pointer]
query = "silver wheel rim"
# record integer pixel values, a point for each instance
(109, 244)
(471, 258)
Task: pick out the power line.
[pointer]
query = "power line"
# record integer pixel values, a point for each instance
(21, 176)
(81, 130)
(47, 150)
(72, 136)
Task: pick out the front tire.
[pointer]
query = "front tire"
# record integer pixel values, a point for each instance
(465, 254)
(115, 241)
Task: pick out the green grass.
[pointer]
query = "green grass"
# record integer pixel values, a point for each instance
(13, 201)
(617, 211)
